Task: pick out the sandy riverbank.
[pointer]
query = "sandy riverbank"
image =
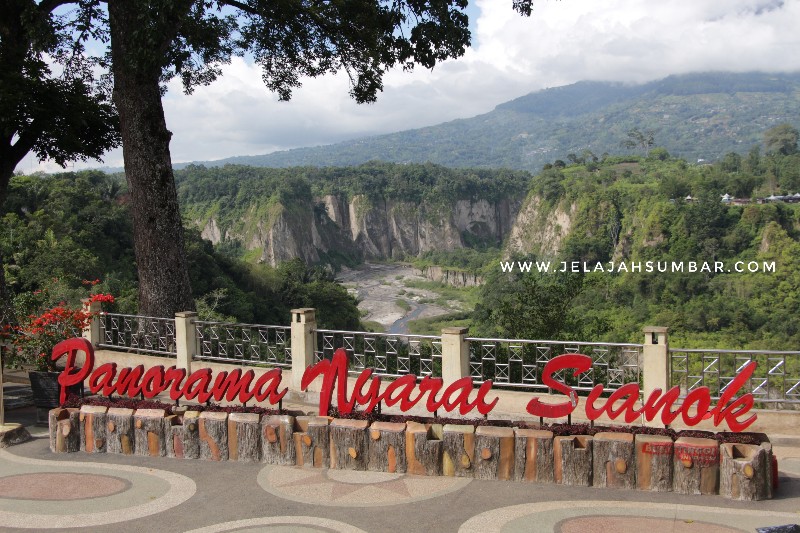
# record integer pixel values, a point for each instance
(380, 286)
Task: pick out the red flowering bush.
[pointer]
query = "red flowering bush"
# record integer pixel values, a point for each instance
(40, 325)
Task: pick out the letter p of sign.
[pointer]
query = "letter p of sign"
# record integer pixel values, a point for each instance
(72, 375)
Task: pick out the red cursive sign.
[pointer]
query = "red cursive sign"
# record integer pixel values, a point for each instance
(201, 385)
(407, 391)
(400, 391)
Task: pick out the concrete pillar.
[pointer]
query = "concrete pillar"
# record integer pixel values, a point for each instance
(185, 339)
(455, 354)
(655, 359)
(304, 322)
(92, 332)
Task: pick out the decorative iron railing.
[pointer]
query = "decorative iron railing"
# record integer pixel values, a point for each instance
(519, 363)
(143, 334)
(253, 344)
(387, 354)
(776, 379)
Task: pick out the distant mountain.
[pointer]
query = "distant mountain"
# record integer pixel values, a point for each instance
(694, 116)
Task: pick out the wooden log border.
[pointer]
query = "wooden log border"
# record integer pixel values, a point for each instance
(689, 466)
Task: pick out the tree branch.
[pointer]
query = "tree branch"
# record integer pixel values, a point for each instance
(48, 6)
(239, 5)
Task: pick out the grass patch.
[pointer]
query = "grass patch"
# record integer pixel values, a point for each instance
(466, 296)
(402, 304)
(434, 325)
(372, 326)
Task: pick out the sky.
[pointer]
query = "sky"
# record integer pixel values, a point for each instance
(562, 42)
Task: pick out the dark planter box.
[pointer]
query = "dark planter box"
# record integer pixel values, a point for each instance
(45, 388)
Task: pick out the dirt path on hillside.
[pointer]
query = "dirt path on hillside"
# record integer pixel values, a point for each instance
(379, 287)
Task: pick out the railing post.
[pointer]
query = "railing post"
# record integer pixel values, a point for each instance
(304, 322)
(655, 359)
(455, 354)
(92, 332)
(185, 339)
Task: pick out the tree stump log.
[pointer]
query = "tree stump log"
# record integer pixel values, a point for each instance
(213, 435)
(387, 447)
(184, 441)
(348, 440)
(745, 471)
(244, 437)
(494, 452)
(119, 431)
(93, 428)
(572, 459)
(312, 442)
(533, 455)
(424, 449)
(458, 450)
(654, 463)
(277, 444)
(65, 430)
(150, 431)
(613, 461)
(695, 466)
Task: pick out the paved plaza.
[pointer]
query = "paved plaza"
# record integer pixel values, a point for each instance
(104, 492)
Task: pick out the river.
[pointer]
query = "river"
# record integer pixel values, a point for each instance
(380, 287)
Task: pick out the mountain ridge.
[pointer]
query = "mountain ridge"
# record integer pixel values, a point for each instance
(694, 116)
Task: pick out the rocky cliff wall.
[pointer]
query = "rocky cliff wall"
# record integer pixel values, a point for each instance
(366, 228)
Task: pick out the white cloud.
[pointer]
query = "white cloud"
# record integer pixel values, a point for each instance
(562, 42)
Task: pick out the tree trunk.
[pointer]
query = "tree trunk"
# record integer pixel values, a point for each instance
(423, 450)
(654, 463)
(244, 443)
(494, 453)
(137, 54)
(573, 460)
(151, 430)
(312, 441)
(348, 440)
(387, 447)
(613, 459)
(695, 466)
(184, 441)
(213, 434)
(65, 431)
(119, 426)
(277, 444)
(458, 456)
(533, 455)
(745, 471)
(93, 428)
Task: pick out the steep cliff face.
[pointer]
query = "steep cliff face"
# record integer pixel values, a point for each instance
(364, 228)
(456, 278)
(539, 228)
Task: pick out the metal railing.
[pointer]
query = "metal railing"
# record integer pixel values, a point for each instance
(385, 353)
(776, 379)
(253, 344)
(143, 334)
(519, 363)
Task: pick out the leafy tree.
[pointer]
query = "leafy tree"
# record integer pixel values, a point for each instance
(781, 139)
(640, 139)
(152, 41)
(49, 102)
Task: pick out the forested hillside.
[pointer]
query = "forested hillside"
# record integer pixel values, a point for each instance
(630, 211)
(694, 116)
(60, 230)
(594, 211)
(346, 215)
